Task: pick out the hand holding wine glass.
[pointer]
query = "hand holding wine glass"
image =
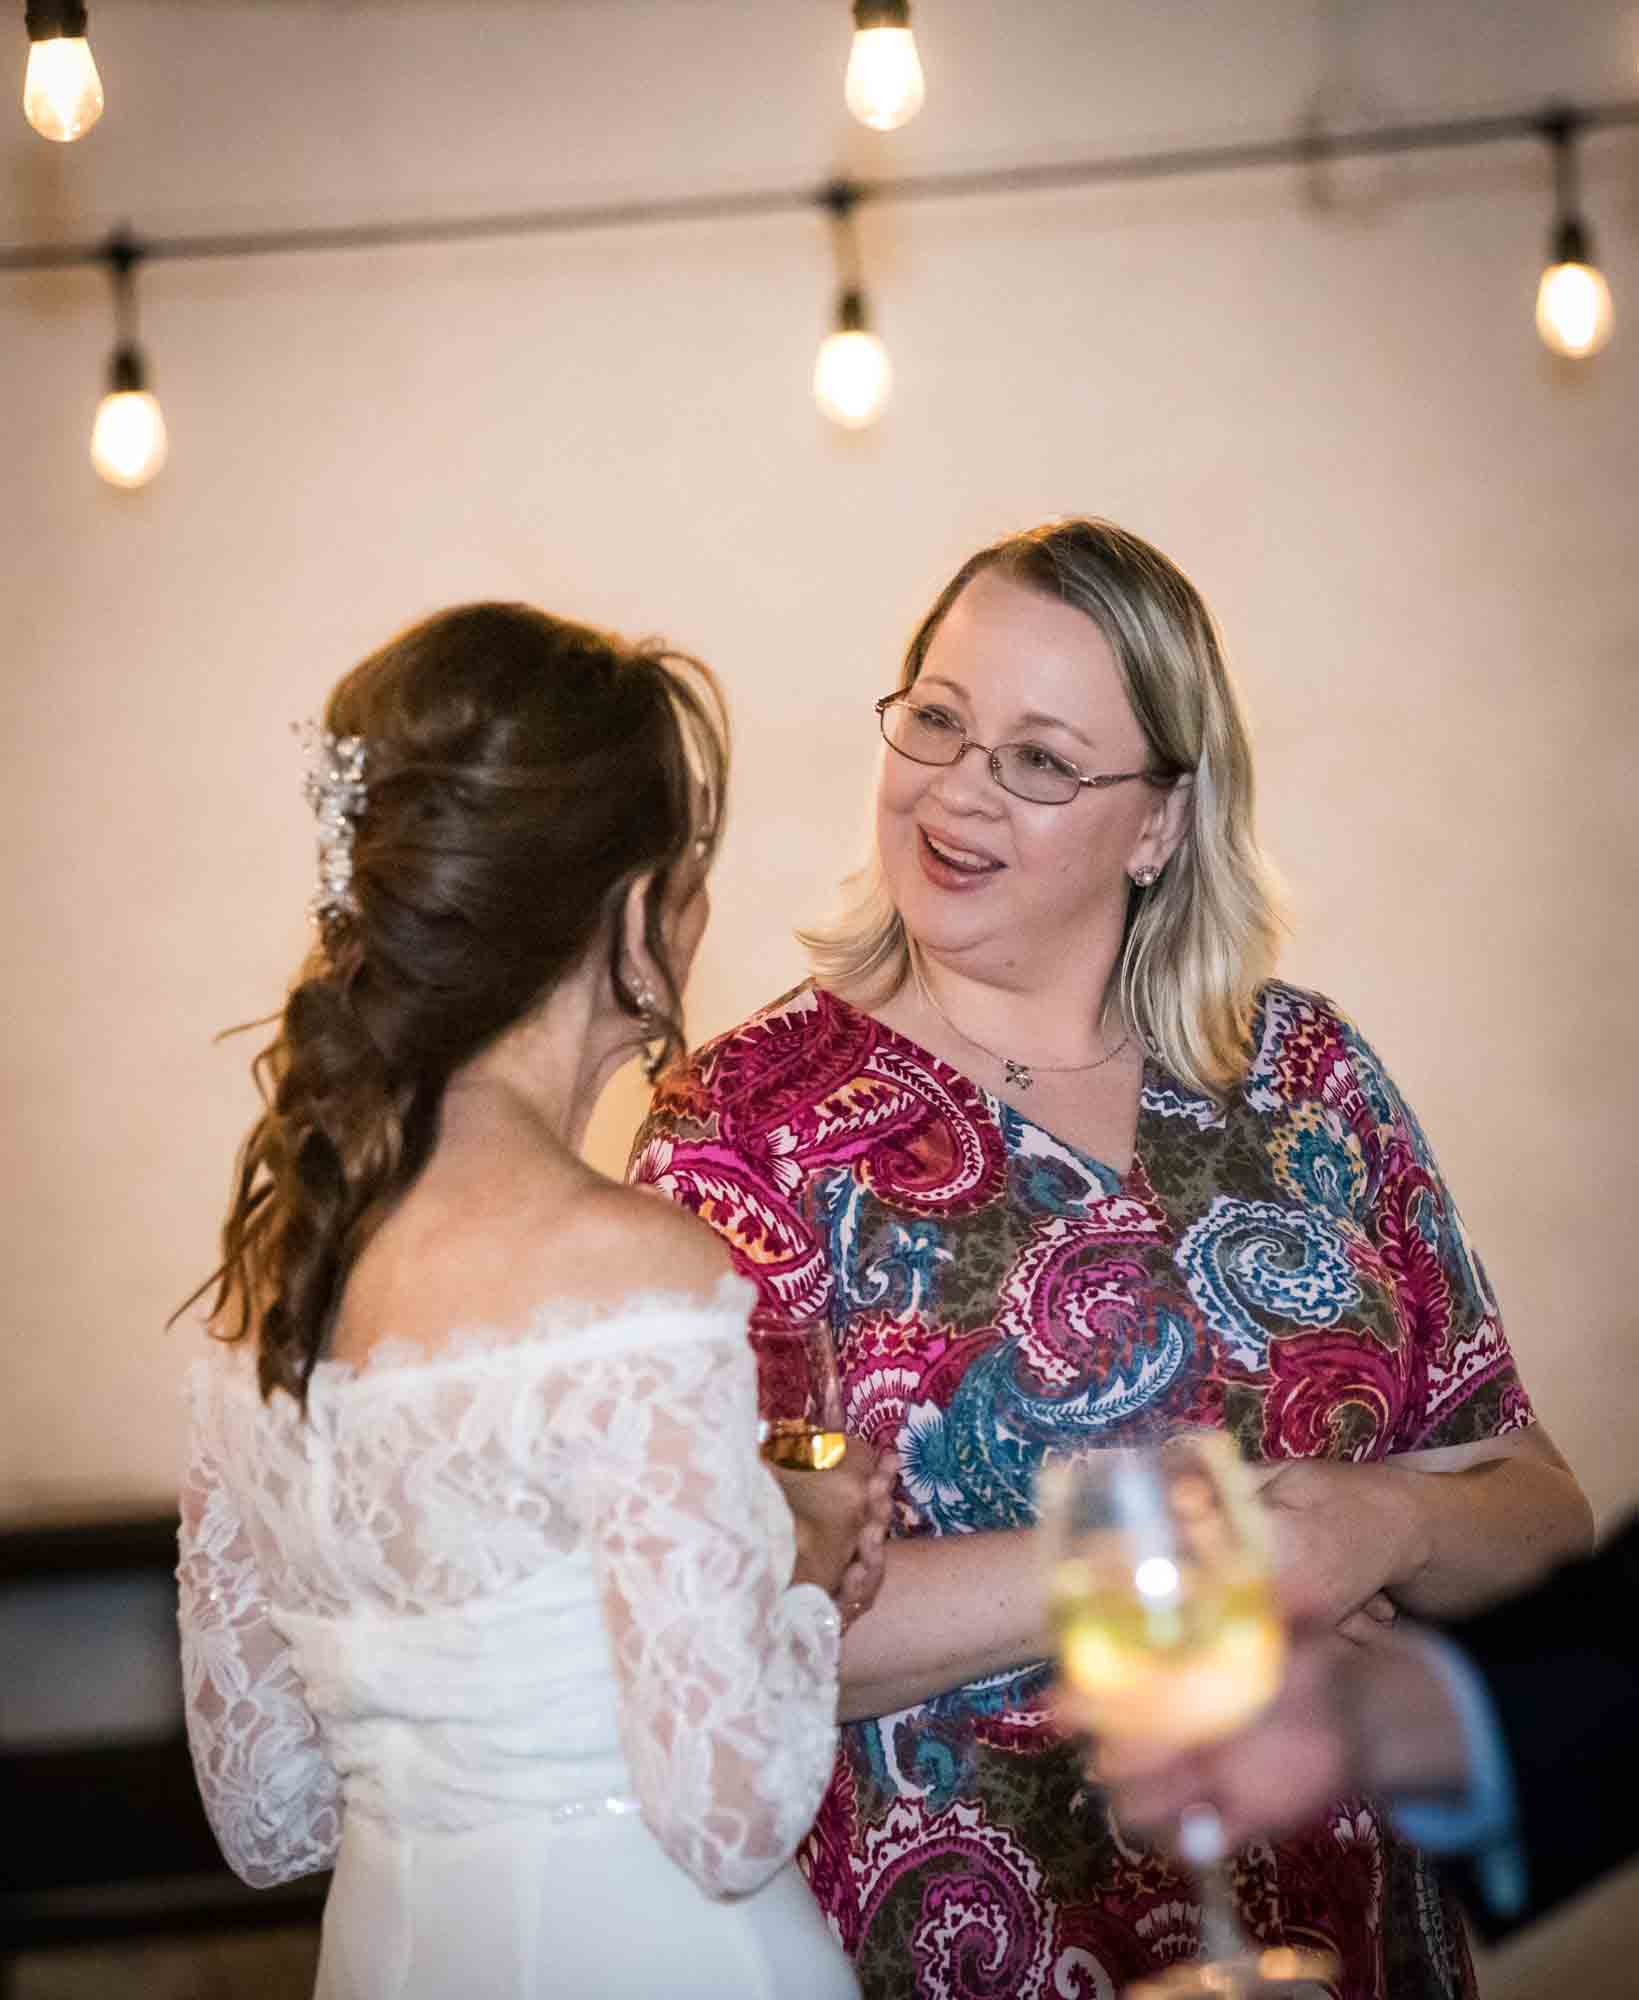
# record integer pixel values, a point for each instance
(1169, 1634)
(841, 1517)
(799, 1398)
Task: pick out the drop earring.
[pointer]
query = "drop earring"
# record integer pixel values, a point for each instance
(650, 1027)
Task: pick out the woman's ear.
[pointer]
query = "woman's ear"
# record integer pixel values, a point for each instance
(638, 969)
(1164, 827)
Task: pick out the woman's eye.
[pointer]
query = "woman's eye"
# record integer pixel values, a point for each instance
(1034, 758)
(936, 718)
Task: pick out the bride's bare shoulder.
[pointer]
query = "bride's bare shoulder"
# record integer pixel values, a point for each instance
(634, 1240)
(491, 1245)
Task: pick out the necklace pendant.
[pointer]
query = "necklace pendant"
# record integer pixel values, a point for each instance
(1017, 1074)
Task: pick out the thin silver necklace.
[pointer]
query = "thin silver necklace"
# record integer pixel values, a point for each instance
(1018, 1075)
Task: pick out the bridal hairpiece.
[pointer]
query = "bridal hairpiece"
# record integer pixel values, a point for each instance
(336, 791)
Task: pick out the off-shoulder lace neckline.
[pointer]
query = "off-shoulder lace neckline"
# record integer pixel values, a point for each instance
(556, 1325)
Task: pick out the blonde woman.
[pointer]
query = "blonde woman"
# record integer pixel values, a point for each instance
(1065, 1165)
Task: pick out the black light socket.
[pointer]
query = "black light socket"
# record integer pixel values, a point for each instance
(127, 372)
(53, 20)
(882, 13)
(851, 314)
(1571, 244)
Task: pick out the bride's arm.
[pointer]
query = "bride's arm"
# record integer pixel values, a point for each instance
(268, 1789)
(727, 1671)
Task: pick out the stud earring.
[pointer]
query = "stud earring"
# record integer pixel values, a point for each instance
(1143, 877)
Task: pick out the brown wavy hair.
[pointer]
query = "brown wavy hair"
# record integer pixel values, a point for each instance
(522, 773)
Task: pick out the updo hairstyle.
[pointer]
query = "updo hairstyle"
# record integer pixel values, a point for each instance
(521, 773)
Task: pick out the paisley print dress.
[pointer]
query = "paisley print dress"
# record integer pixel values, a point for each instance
(1289, 1267)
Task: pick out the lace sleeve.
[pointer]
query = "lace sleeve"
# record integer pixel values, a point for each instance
(269, 1792)
(727, 1673)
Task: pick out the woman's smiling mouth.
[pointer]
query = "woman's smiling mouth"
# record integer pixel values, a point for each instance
(951, 865)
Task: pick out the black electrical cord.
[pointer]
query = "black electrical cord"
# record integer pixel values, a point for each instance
(1303, 149)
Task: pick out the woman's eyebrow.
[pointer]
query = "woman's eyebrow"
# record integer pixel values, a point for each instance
(1034, 718)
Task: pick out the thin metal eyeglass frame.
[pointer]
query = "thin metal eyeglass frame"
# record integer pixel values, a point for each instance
(1098, 783)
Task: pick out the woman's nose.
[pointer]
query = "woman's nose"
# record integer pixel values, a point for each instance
(968, 785)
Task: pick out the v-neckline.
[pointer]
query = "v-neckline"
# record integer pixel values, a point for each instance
(1003, 1109)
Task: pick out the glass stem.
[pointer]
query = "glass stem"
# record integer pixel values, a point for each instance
(1221, 1933)
(1201, 1846)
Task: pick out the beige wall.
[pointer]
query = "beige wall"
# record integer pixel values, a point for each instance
(1418, 531)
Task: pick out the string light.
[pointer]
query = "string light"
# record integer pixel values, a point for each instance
(128, 441)
(62, 92)
(1574, 315)
(852, 373)
(884, 87)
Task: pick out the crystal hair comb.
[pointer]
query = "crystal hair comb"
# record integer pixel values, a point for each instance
(335, 789)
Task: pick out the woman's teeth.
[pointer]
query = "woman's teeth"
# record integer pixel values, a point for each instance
(955, 857)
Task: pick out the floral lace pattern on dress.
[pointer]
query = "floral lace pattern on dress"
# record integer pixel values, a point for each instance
(555, 1555)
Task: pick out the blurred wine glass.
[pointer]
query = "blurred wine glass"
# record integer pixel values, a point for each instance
(1167, 1627)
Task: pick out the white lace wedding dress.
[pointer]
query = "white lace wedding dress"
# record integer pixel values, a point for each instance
(506, 1638)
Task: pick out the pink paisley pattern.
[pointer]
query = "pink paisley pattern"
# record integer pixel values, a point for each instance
(1288, 1266)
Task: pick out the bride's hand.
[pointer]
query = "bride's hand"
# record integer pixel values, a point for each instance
(863, 1577)
(841, 1518)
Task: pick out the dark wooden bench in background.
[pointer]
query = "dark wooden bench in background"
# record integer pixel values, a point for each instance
(103, 1834)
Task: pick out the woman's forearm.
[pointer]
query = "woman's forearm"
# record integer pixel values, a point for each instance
(952, 1609)
(1482, 1531)
(1443, 1532)
(1440, 1531)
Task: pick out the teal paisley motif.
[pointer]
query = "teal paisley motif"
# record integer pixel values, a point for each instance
(1246, 1257)
(1318, 1161)
(973, 1464)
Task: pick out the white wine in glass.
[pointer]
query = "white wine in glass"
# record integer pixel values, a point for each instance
(1166, 1625)
(799, 1399)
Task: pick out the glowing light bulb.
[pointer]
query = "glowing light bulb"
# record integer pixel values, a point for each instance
(884, 87)
(128, 441)
(1573, 301)
(1574, 315)
(62, 92)
(852, 373)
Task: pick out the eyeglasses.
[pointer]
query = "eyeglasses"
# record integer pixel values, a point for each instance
(1027, 770)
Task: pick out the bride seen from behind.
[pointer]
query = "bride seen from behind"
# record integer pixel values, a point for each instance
(487, 1600)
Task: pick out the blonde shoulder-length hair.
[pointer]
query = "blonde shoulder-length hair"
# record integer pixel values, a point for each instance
(1201, 941)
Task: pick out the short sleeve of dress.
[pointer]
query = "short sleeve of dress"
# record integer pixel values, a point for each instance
(738, 1173)
(1464, 1384)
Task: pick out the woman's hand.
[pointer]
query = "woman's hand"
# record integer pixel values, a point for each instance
(841, 1518)
(1441, 1532)
(1341, 1536)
